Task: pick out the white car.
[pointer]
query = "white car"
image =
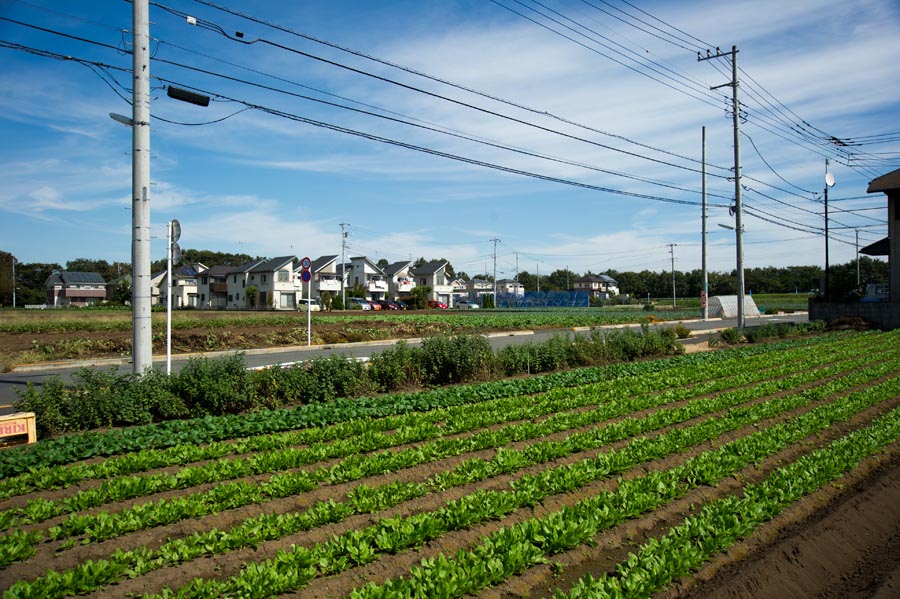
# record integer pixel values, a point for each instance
(466, 305)
(311, 305)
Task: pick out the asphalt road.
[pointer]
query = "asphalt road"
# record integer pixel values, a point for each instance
(18, 380)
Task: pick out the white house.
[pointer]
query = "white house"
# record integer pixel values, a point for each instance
(236, 282)
(400, 281)
(325, 277)
(185, 292)
(274, 283)
(434, 275)
(597, 285)
(365, 273)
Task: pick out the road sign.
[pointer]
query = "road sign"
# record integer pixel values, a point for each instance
(305, 275)
(306, 263)
(176, 230)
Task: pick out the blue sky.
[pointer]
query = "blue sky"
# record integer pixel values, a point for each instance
(602, 95)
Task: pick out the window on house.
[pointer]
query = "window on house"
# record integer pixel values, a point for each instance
(263, 278)
(244, 284)
(234, 279)
(282, 276)
(230, 298)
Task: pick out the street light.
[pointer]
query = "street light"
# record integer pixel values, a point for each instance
(829, 182)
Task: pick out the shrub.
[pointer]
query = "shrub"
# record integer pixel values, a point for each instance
(399, 367)
(278, 386)
(213, 386)
(447, 360)
(337, 376)
(681, 331)
(730, 336)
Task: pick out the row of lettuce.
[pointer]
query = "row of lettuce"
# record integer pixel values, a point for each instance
(702, 397)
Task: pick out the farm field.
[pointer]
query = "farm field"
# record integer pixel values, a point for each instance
(654, 477)
(28, 336)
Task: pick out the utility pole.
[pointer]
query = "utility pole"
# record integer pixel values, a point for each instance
(829, 181)
(738, 211)
(672, 252)
(704, 290)
(14, 271)
(343, 273)
(142, 340)
(495, 240)
(857, 268)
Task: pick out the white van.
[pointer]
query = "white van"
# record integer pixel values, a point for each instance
(311, 305)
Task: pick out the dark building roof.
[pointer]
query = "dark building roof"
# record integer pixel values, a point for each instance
(218, 271)
(392, 269)
(597, 279)
(321, 262)
(67, 277)
(429, 268)
(273, 264)
(245, 267)
(887, 182)
(882, 247)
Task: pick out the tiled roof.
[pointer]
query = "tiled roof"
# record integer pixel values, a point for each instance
(429, 268)
(273, 264)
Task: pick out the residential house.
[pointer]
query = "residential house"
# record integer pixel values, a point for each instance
(212, 287)
(400, 281)
(600, 286)
(237, 280)
(434, 275)
(325, 277)
(184, 286)
(510, 287)
(365, 273)
(155, 281)
(274, 283)
(71, 288)
(477, 289)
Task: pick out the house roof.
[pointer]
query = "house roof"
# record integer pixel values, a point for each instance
(218, 271)
(67, 277)
(887, 182)
(245, 267)
(882, 247)
(392, 269)
(273, 264)
(367, 261)
(429, 268)
(321, 262)
(596, 279)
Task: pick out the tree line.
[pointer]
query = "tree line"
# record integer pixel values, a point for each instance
(31, 277)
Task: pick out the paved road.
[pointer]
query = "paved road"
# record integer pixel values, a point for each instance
(18, 380)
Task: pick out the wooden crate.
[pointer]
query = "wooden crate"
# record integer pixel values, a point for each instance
(18, 425)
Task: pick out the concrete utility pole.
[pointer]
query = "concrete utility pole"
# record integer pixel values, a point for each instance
(343, 274)
(142, 340)
(14, 271)
(496, 305)
(738, 211)
(704, 289)
(672, 252)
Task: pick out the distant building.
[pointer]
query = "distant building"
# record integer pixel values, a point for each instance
(70, 288)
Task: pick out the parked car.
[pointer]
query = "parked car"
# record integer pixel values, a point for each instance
(466, 305)
(353, 302)
(402, 305)
(388, 305)
(437, 304)
(374, 305)
(311, 305)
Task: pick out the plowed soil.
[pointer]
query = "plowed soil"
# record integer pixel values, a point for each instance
(843, 541)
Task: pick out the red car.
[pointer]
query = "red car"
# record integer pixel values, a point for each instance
(437, 304)
(375, 305)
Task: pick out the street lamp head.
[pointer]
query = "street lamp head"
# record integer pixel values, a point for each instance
(829, 179)
(121, 118)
